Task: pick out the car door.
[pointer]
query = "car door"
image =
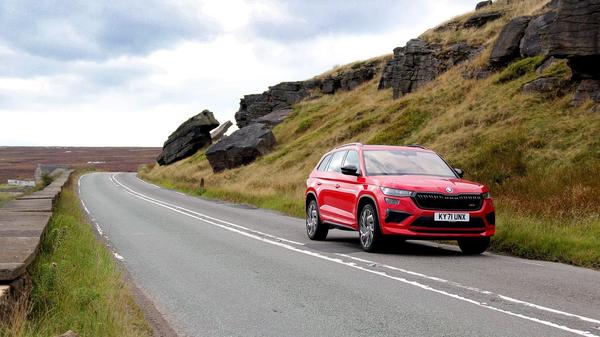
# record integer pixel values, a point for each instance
(348, 190)
(329, 196)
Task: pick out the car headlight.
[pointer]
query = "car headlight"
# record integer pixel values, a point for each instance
(395, 192)
(486, 195)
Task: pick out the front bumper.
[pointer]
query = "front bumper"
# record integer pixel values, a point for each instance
(406, 219)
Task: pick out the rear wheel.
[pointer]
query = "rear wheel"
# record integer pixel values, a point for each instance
(474, 246)
(315, 229)
(368, 228)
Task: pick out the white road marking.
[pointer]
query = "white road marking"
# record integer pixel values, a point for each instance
(187, 212)
(485, 292)
(210, 217)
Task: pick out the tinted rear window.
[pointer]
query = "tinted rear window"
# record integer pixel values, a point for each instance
(335, 164)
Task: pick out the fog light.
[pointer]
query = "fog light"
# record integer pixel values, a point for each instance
(392, 201)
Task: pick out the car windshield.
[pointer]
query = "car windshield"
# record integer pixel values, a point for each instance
(405, 162)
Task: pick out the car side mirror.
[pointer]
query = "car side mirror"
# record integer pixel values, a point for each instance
(460, 172)
(350, 170)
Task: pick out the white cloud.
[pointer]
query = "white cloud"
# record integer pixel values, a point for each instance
(139, 99)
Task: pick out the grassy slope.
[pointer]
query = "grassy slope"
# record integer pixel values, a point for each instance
(77, 284)
(538, 154)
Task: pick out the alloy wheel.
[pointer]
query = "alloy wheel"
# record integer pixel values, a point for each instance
(367, 227)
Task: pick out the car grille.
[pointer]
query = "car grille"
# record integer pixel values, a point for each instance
(438, 201)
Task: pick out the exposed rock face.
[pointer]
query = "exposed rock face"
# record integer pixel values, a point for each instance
(587, 89)
(545, 85)
(575, 34)
(420, 62)
(483, 4)
(480, 19)
(506, 47)
(241, 147)
(189, 137)
(275, 117)
(283, 95)
(279, 96)
(531, 44)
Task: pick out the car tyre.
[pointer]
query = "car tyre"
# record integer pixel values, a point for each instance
(315, 228)
(474, 246)
(369, 233)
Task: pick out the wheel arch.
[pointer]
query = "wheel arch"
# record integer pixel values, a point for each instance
(310, 195)
(363, 200)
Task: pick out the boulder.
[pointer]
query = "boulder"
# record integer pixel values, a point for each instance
(531, 44)
(189, 137)
(217, 133)
(481, 19)
(241, 148)
(420, 62)
(588, 89)
(545, 85)
(506, 47)
(483, 4)
(547, 64)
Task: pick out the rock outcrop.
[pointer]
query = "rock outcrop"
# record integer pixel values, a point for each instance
(483, 4)
(588, 89)
(570, 29)
(481, 19)
(420, 62)
(189, 137)
(241, 147)
(506, 47)
(280, 98)
(531, 44)
(545, 85)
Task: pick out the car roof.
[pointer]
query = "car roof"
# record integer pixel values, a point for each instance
(383, 147)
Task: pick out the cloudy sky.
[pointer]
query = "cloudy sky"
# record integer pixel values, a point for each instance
(128, 72)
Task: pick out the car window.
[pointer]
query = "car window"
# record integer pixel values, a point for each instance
(324, 163)
(335, 164)
(352, 159)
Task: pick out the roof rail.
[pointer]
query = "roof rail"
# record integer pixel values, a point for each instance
(418, 146)
(357, 144)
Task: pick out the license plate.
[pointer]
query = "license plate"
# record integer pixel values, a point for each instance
(452, 217)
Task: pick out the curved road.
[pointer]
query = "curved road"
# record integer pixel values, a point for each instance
(218, 269)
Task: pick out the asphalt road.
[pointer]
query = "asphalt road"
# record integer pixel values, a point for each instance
(218, 269)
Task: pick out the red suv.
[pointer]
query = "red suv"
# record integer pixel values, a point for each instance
(405, 191)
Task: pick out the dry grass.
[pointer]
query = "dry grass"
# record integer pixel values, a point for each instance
(539, 155)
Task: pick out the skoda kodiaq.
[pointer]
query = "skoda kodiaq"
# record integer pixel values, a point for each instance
(405, 191)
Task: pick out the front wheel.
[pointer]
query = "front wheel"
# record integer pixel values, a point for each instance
(368, 228)
(315, 229)
(474, 246)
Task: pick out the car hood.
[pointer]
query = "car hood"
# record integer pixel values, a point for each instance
(429, 184)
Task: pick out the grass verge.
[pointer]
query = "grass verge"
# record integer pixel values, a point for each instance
(77, 284)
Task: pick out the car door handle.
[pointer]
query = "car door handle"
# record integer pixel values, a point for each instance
(337, 185)
(319, 184)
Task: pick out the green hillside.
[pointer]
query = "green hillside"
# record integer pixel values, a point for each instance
(539, 155)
